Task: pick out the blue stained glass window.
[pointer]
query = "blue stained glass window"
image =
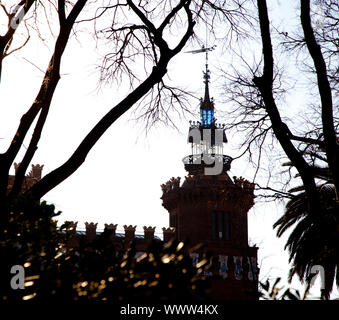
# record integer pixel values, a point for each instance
(203, 117)
(209, 117)
(206, 117)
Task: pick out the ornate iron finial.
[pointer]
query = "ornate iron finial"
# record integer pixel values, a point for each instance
(206, 81)
(207, 75)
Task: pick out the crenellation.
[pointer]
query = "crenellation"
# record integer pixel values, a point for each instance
(16, 166)
(129, 232)
(91, 230)
(207, 188)
(149, 233)
(72, 227)
(111, 228)
(30, 179)
(244, 184)
(168, 233)
(172, 184)
(36, 171)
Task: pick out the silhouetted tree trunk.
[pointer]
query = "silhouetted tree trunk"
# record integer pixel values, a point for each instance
(314, 210)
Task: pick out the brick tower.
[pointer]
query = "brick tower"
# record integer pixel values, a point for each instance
(209, 207)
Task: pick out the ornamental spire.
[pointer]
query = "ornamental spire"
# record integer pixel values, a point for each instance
(206, 81)
(206, 105)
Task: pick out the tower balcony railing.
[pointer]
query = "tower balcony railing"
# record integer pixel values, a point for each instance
(199, 125)
(197, 163)
(210, 157)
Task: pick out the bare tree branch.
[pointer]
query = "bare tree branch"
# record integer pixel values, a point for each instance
(166, 54)
(42, 101)
(13, 22)
(281, 131)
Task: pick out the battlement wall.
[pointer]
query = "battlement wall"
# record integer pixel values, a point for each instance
(91, 232)
(195, 181)
(30, 179)
(238, 193)
(225, 266)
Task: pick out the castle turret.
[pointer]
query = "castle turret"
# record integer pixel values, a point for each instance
(209, 207)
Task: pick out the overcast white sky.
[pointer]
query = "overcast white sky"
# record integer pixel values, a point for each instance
(120, 180)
